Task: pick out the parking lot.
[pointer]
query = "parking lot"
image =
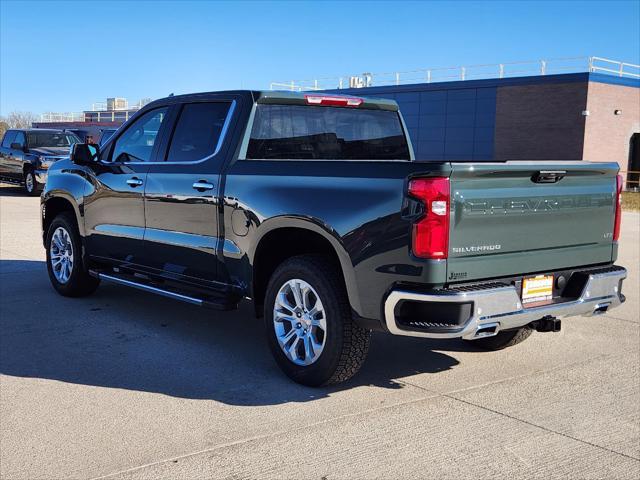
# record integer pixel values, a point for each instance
(125, 384)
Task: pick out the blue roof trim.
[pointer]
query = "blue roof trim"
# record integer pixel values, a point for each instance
(489, 82)
(495, 82)
(613, 80)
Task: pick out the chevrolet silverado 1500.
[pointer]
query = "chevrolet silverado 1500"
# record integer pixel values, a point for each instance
(314, 208)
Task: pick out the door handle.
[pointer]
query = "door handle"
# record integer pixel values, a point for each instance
(134, 182)
(202, 185)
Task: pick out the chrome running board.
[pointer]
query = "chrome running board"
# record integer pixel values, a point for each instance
(149, 288)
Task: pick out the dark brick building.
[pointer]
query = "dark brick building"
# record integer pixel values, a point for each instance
(578, 116)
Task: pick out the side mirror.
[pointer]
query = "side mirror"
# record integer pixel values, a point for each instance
(84, 154)
(17, 146)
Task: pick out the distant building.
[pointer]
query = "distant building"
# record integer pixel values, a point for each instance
(112, 113)
(117, 104)
(520, 111)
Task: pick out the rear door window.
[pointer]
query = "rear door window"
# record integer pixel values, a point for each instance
(197, 132)
(326, 133)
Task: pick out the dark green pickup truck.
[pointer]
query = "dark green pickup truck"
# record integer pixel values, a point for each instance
(315, 208)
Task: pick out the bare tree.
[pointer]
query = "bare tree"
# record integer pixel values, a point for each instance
(21, 119)
(4, 126)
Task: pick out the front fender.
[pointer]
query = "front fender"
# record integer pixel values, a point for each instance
(68, 183)
(29, 161)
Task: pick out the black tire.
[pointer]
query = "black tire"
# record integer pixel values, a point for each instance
(502, 340)
(31, 186)
(79, 283)
(346, 343)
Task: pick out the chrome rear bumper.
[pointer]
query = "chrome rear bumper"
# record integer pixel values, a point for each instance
(500, 308)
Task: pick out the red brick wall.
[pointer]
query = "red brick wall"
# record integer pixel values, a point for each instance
(607, 136)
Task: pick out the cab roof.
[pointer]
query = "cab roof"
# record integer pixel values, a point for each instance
(311, 98)
(27, 130)
(317, 98)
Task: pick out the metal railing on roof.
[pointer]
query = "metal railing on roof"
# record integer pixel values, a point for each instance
(620, 69)
(62, 117)
(99, 113)
(89, 116)
(470, 72)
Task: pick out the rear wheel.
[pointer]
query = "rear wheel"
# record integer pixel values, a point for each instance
(502, 340)
(310, 328)
(67, 271)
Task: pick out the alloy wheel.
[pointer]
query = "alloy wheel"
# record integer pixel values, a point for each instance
(299, 321)
(29, 182)
(61, 254)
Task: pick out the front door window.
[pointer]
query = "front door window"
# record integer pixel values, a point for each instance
(137, 142)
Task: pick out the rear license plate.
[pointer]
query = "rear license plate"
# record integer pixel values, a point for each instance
(537, 289)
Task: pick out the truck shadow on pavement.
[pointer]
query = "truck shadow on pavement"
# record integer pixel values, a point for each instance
(126, 339)
(11, 190)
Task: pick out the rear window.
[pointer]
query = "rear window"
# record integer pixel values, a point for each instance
(326, 133)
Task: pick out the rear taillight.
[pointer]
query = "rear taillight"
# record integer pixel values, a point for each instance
(431, 232)
(333, 101)
(616, 225)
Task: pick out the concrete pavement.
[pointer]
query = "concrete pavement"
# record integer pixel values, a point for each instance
(125, 384)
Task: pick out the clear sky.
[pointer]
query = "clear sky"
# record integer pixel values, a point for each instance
(63, 56)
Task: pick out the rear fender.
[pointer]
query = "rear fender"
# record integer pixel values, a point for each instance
(316, 226)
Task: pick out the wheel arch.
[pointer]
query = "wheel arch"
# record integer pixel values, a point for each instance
(26, 167)
(281, 238)
(53, 206)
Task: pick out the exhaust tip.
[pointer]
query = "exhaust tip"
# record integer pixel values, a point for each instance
(487, 330)
(601, 308)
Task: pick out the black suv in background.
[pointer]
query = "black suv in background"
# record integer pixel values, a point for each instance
(26, 155)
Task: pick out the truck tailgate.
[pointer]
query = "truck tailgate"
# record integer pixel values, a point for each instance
(525, 217)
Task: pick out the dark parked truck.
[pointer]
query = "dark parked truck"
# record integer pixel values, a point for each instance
(315, 208)
(26, 155)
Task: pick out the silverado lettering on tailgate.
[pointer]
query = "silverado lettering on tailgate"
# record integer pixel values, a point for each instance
(477, 249)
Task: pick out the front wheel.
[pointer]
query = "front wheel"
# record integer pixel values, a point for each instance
(30, 183)
(310, 328)
(67, 271)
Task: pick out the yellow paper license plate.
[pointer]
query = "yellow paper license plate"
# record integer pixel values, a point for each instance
(537, 289)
